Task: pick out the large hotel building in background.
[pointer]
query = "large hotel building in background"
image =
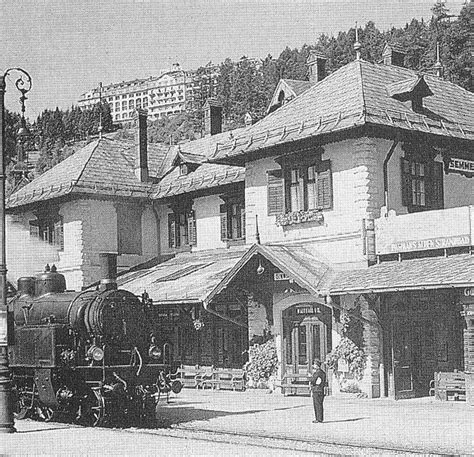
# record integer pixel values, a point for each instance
(173, 91)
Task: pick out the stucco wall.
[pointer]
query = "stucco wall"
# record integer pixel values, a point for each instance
(207, 211)
(356, 195)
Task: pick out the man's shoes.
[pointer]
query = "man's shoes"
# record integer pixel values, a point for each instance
(317, 422)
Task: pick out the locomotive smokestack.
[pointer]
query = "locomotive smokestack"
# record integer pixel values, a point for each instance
(108, 270)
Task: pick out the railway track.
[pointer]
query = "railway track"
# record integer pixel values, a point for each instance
(318, 446)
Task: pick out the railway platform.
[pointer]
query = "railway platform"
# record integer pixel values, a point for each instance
(384, 426)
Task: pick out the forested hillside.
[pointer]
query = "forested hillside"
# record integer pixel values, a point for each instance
(246, 85)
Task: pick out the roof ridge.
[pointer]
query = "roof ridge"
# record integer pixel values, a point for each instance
(87, 161)
(362, 93)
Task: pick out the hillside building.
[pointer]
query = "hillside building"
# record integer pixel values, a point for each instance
(172, 92)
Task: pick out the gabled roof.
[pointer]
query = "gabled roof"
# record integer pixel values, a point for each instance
(186, 278)
(297, 261)
(103, 167)
(291, 88)
(205, 176)
(297, 86)
(354, 96)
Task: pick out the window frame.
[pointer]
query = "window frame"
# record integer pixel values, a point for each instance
(422, 182)
(233, 224)
(182, 227)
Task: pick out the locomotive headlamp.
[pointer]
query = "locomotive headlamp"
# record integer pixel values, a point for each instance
(95, 353)
(154, 352)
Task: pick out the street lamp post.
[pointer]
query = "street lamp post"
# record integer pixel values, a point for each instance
(23, 84)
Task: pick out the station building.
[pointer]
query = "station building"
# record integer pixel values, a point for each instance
(340, 225)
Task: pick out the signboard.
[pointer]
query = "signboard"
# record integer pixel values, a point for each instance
(280, 277)
(467, 297)
(308, 309)
(461, 165)
(431, 243)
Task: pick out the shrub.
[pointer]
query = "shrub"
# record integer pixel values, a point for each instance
(355, 357)
(262, 362)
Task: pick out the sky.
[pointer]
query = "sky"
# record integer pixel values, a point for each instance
(69, 46)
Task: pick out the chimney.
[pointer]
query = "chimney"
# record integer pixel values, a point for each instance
(141, 158)
(212, 117)
(108, 270)
(317, 66)
(393, 55)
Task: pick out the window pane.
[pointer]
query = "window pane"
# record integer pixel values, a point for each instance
(302, 346)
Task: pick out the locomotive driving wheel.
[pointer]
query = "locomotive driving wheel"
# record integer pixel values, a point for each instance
(92, 411)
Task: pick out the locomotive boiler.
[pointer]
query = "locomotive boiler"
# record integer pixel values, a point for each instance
(90, 356)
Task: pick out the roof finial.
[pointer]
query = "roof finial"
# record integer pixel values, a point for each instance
(357, 44)
(100, 111)
(438, 66)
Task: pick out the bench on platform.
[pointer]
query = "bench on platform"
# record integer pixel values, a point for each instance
(188, 375)
(296, 383)
(226, 378)
(449, 386)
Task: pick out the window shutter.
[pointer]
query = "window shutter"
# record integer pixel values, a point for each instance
(34, 230)
(59, 234)
(192, 228)
(275, 196)
(436, 191)
(242, 216)
(171, 230)
(406, 182)
(325, 188)
(224, 230)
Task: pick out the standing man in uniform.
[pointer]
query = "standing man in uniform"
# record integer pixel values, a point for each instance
(318, 385)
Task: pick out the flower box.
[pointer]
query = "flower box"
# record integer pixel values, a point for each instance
(299, 217)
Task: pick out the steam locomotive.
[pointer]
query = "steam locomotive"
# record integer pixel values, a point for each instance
(91, 356)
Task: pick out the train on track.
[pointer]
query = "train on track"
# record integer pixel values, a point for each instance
(91, 357)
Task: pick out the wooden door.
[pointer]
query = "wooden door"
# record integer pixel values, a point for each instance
(402, 359)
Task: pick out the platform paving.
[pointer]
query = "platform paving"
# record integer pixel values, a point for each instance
(409, 426)
(421, 425)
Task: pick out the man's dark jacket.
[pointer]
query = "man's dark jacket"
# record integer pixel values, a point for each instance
(315, 386)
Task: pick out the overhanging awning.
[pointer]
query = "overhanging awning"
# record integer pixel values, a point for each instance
(456, 271)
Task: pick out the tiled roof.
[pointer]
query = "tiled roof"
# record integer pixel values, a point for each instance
(103, 167)
(188, 277)
(297, 86)
(353, 96)
(206, 176)
(297, 261)
(424, 273)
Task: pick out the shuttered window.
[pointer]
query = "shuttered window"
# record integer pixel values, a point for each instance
(300, 188)
(49, 228)
(232, 216)
(182, 228)
(275, 197)
(422, 185)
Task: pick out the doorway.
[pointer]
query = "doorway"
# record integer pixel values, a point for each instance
(305, 339)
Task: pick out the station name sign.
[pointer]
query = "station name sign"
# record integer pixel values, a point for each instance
(431, 243)
(461, 165)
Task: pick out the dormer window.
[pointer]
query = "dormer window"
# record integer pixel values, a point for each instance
(183, 169)
(413, 89)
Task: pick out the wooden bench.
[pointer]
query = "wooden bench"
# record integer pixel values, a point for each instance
(226, 378)
(295, 383)
(449, 386)
(187, 374)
